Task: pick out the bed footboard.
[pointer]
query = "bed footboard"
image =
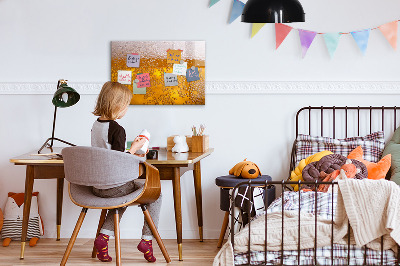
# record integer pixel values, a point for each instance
(309, 256)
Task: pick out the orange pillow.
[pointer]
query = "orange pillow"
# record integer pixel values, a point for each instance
(375, 170)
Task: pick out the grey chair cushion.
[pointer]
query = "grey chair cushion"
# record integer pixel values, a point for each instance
(99, 167)
(83, 196)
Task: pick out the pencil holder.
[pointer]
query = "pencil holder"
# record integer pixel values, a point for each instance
(200, 143)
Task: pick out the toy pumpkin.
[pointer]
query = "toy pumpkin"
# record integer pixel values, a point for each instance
(245, 169)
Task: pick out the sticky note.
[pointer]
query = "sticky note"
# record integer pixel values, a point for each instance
(170, 79)
(137, 90)
(174, 56)
(132, 60)
(180, 69)
(192, 74)
(125, 77)
(144, 80)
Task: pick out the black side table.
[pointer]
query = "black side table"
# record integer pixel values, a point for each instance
(226, 183)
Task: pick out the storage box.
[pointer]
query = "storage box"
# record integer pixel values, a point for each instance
(200, 143)
(171, 143)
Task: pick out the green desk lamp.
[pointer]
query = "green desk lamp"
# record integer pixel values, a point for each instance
(65, 96)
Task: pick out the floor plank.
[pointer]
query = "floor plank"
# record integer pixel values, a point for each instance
(49, 252)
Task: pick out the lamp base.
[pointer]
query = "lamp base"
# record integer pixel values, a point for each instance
(50, 146)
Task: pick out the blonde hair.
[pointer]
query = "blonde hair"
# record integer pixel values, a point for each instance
(112, 99)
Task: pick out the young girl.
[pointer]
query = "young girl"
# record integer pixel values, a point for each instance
(112, 103)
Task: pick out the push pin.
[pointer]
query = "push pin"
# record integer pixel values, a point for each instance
(193, 68)
(182, 62)
(136, 81)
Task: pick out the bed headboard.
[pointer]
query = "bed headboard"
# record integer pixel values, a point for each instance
(344, 118)
(344, 121)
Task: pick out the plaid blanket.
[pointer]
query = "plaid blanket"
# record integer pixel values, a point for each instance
(306, 201)
(323, 205)
(324, 257)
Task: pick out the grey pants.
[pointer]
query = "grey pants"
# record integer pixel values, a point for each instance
(153, 208)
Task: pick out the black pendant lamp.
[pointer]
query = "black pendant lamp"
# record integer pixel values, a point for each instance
(273, 11)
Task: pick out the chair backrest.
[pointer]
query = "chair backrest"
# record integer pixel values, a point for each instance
(92, 166)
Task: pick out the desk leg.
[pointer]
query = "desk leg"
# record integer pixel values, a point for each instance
(27, 206)
(176, 182)
(60, 190)
(199, 204)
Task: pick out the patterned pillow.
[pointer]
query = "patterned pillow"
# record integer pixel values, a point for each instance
(372, 145)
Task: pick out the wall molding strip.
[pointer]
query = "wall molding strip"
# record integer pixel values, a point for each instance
(231, 87)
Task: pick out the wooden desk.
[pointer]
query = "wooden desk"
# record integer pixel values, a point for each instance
(168, 164)
(40, 167)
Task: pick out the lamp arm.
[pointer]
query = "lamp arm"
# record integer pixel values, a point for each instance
(54, 126)
(54, 118)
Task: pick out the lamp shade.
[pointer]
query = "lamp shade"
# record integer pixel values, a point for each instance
(273, 11)
(65, 96)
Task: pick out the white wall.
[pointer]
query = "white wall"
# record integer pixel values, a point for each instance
(42, 41)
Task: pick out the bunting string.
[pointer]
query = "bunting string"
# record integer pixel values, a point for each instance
(361, 37)
(343, 33)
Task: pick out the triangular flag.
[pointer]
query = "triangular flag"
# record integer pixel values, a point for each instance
(306, 39)
(256, 27)
(237, 9)
(332, 41)
(213, 2)
(390, 32)
(281, 31)
(361, 37)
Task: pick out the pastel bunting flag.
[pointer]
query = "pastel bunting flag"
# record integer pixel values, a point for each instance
(281, 31)
(237, 9)
(306, 39)
(213, 2)
(389, 30)
(332, 41)
(361, 37)
(256, 27)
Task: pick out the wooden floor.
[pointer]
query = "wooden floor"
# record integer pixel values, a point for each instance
(50, 252)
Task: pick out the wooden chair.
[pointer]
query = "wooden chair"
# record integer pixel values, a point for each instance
(85, 167)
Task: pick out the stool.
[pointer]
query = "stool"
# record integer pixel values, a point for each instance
(226, 183)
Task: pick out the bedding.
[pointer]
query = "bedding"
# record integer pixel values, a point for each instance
(340, 253)
(372, 144)
(306, 202)
(373, 209)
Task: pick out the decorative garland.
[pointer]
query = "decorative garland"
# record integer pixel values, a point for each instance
(361, 37)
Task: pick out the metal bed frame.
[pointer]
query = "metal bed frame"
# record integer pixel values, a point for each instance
(283, 184)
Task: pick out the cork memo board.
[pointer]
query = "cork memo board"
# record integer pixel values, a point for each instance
(160, 72)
